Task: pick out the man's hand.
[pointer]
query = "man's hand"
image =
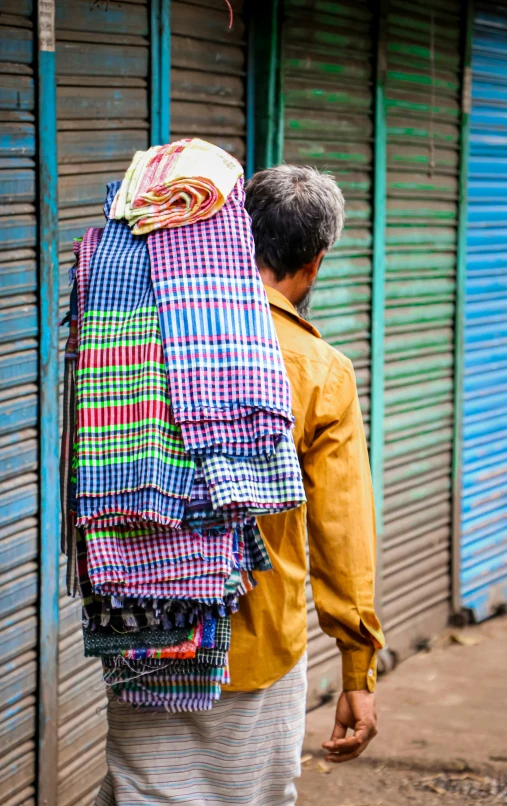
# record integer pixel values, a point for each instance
(355, 710)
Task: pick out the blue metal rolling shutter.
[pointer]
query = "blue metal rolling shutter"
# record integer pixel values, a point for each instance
(18, 406)
(328, 73)
(102, 58)
(422, 100)
(484, 471)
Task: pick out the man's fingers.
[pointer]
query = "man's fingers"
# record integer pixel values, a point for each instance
(350, 747)
(339, 732)
(344, 745)
(343, 754)
(361, 735)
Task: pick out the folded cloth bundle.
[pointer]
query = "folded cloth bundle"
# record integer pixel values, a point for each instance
(159, 497)
(133, 464)
(175, 185)
(229, 390)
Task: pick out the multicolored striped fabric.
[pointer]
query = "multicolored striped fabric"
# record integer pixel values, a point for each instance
(113, 617)
(175, 185)
(151, 558)
(166, 758)
(175, 692)
(145, 678)
(106, 642)
(67, 475)
(165, 499)
(229, 389)
(132, 464)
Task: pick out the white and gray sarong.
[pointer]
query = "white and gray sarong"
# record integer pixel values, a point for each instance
(246, 750)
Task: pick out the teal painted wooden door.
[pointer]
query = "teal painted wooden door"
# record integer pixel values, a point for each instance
(18, 406)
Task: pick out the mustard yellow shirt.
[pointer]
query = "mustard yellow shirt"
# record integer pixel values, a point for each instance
(269, 631)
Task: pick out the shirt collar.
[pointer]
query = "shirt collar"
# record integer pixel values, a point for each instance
(278, 300)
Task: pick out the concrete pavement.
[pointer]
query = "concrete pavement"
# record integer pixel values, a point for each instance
(443, 731)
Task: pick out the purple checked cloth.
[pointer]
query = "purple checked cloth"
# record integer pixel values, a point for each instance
(229, 389)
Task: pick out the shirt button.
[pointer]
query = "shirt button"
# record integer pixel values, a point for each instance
(370, 672)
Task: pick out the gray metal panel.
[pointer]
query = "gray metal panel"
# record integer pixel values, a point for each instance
(328, 70)
(18, 407)
(102, 63)
(422, 100)
(484, 476)
(208, 63)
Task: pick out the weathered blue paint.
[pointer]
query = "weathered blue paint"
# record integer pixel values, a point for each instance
(16, 323)
(48, 425)
(155, 72)
(19, 503)
(378, 292)
(17, 458)
(17, 232)
(160, 61)
(165, 70)
(16, 92)
(459, 322)
(482, 513)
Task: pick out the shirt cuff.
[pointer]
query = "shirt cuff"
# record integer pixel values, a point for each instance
(359, 668)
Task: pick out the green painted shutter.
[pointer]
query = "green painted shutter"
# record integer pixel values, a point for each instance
(328, 71)
(102, 65)
(423, 100)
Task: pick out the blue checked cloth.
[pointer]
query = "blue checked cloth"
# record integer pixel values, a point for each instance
(123, 396)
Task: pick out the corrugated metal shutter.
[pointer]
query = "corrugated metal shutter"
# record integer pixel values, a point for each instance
(102, 59)
(18, 407)
(208, 64)
(484, 500)
(422, 96)
(328, 71)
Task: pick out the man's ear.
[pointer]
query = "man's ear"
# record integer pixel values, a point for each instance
(311, 269)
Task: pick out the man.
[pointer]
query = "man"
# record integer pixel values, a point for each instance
(297, 215)
(247, 749)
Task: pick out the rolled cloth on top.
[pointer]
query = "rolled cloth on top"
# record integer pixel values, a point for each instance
(175, 185)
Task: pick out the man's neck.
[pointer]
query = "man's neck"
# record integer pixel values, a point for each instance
(284, 286)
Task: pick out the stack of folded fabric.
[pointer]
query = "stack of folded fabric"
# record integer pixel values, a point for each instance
(177, 426)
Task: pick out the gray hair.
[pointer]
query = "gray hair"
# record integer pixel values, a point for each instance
(296, 212)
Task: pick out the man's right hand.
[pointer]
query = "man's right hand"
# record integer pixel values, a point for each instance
(355, 710)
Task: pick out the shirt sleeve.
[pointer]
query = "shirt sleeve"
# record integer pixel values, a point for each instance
(341, 527)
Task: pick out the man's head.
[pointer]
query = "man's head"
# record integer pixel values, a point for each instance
(297, 215)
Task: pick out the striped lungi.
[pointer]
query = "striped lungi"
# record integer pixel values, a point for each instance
(246, 750)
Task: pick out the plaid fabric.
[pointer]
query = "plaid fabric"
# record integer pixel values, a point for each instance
(263, 484)
(255, 556)
(67, 473)
(132, 465)
(229, 389)
(179, 692)
(151, 556)
(84, 249)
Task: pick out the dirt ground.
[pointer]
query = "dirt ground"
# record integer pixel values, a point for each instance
(443, 731)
